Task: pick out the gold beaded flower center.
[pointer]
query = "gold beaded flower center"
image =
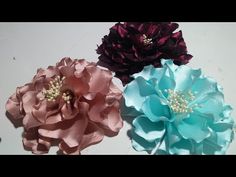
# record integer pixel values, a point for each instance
(179, 101)
(54, 90)
(146, 40)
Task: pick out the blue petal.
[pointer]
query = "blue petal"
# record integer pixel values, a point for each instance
(195, 127)
(161, 152)
(203, 86)
(136, 91)
(223, 131)
(197, 148)
(148, 72)
(173, 135)
(175, 143)
(140, 144)
(182, 147)
(226, 111)
(166, 81)
(219, 140)
(163, 76)
(148, 130)
(210, 145)
(155, 110)
(128, 113)
(185, 77)
(169, 63)
(162, 148)
(212, 104)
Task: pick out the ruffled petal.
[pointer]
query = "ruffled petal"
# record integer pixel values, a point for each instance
(34, 143)
(221, 136)
(195, 127)
(183, 147)
(80, 68)
(140, 144)
(69, 131)
(100, 79)
(148, 130)
(39, 111)
(13, 107)
(136, 92)
(78, 86)
(185, 77)
(29, 100)
(175, 143)
(202, 86)
(155, 110)
(167, 80)
(97, 105)
(30, 121)
(115, 122)
(93, 134)
(211, 104)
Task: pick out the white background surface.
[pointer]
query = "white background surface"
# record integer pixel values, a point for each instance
(25, 47)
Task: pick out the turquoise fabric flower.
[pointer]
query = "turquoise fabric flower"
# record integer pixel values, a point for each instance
(177, 110)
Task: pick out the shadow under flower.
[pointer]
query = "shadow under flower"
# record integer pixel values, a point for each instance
(128, 114)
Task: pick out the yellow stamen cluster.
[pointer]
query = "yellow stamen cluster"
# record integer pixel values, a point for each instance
(179, 101)
(66, 97)
(54, 89)
(146, 40)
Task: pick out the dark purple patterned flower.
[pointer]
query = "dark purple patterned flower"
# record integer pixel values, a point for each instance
(130, 46)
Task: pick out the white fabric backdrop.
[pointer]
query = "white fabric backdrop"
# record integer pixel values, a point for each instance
(24, 47)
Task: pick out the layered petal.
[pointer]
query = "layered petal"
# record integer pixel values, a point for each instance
(148, 130)
(136, 92)
(155, 110)
(194, 127)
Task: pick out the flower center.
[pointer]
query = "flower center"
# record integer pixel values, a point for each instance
(146, 40)
(179, 101)
(67, 96)
(54, 90)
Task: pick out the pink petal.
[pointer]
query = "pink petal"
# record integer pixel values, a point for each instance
(40, 111)
(93, 135)
(70, 134)
(68, 112)
(29, 100)
(97, 105)
(64, 62)
(76, 85)
(80, 68)
(67, 71)
(115, 122)
(53, 119)
(32, 142)
(50, 72)
(100, 79)
(13, 107)
(30, 122)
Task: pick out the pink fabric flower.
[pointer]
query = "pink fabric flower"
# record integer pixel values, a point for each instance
(71, 105)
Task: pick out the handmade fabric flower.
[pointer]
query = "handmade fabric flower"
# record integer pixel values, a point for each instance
(177, 110)
(71, 105)
(130, 46)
